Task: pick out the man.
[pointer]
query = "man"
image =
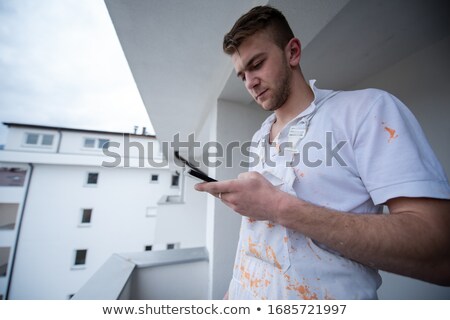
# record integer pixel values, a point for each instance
(313, 229)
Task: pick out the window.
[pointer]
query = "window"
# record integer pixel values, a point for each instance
(4, 260)
(170, 246)
(32, 138)
(12, 177)
(103, 143)
(93, 143)
(175, 180)
(37, 139)
(47, 140)
(92, 178)
(8, 215)
(80, 257)
(89, 143)
(86, 216)
(154, 178)
(148, 248)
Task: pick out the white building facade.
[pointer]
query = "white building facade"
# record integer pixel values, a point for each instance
(71, 198)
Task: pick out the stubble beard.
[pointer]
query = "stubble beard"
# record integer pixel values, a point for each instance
(283, 90)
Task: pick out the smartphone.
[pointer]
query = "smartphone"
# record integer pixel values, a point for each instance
(194, 171)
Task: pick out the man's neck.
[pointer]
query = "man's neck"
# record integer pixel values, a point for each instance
(299, 100)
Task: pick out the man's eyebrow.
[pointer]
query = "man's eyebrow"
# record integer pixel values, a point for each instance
(249, 63)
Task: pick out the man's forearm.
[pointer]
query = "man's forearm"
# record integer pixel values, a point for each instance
(402, 243)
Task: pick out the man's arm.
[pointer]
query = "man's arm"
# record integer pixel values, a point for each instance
(413, 240)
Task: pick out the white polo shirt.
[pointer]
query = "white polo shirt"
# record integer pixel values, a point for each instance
(361, 149)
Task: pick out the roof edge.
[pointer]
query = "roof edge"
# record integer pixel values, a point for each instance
(36, 126)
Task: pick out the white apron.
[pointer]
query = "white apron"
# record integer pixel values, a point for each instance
(273, 262)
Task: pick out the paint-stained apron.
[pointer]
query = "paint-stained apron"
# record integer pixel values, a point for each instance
(274, 262)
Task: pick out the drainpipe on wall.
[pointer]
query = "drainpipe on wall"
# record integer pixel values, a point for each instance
(59, 140)
(19, 225)
(182, 183)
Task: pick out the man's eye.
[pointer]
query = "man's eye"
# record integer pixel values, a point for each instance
(257, 65)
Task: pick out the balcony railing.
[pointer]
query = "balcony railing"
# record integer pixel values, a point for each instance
(159, 275)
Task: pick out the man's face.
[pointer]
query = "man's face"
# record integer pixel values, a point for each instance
(264, 69)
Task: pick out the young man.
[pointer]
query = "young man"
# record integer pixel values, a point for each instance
(312, 226)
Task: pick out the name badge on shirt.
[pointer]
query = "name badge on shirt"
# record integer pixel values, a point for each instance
(297, 133)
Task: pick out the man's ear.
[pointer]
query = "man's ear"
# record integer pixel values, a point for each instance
(293, 52)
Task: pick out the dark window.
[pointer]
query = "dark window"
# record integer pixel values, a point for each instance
(148, 248)
(175, 180)
(3, 269)
(32, 138)
(80, 257)
(170, 246)
(12, 177)
(4, 260)
(89, 143)
(154, 178)
(47, 140)
(86, 217)
(103, 143)
(92, 178)
(93, 143)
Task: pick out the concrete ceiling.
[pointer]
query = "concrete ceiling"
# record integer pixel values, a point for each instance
(174, 52)
(174, 47)
(369, 36)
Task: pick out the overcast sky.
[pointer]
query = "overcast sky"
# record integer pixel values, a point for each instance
(61, 64)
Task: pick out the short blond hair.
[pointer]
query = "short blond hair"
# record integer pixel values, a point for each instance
(261, 18)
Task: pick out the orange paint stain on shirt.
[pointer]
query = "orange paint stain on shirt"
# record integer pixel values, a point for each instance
(303, 291)
(285, 239)
(392, 134)
(270, 225)
(250, 220)
(267, 282)
(270, 253)
(254, 283)
(252, 248)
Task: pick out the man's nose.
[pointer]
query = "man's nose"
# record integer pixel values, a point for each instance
(251, 81)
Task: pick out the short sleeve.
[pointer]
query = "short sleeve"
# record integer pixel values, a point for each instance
(393, 156)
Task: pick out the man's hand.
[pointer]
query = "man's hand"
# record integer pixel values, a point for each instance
(250, 195)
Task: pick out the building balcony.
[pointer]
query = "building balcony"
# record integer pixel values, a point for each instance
(152, 275)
